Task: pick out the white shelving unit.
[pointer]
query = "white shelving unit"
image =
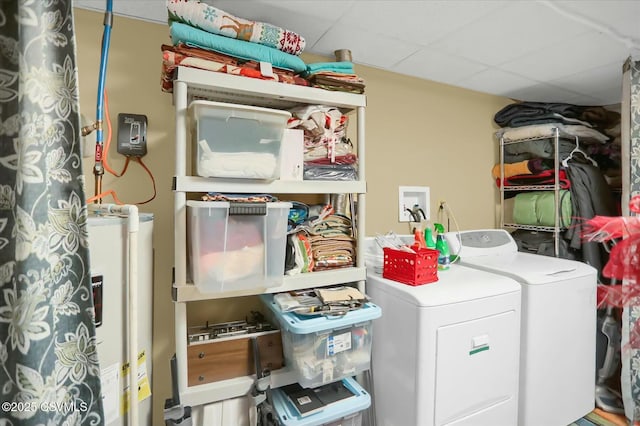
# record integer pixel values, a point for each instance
(191, 84)
(555, 187)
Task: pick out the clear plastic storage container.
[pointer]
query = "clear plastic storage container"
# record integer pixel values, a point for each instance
(237, 141)
(323, 349)
(343, 413)
(237, 246)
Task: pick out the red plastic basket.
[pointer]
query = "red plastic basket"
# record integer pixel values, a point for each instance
(411, 268)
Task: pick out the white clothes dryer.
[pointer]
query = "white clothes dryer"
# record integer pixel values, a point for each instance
(446, 353)
(558, 335)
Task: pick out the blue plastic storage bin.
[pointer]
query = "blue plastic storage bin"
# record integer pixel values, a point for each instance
(323, 349)
(344, 413)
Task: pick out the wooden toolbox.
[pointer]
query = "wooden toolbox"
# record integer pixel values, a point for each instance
(229, 357)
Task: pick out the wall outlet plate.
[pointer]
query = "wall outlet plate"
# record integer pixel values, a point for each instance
(132, 135)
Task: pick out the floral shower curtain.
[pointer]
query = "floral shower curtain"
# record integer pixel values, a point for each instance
(49, 373)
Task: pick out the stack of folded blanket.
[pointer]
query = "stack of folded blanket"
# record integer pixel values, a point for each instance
(328, 153)
(206, 37)
(594, 128)
(209, 38)
(338, 76)
(331, 243)
(326, 242)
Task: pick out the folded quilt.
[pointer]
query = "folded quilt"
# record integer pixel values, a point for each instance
(337, 82)
(524, 167)
(193, 57)
(334, 226)
(192, 36)
(332, 251)
(547, 130)
(526, 113)
(217, 21)
(543, 148)
(546, 177)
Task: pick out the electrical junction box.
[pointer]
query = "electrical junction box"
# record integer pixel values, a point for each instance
(132, 135)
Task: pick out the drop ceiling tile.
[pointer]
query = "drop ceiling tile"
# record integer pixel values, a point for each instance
(542, 92)
(437, 66)
(595, 80)
(366, 48)
(496, 81)
(310, 19)
(417, 21)
(509, 33)
(619, 16)
(583, 52)
(283, 11)
(146, 10)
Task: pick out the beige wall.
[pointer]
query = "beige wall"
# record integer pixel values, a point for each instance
(417, 132)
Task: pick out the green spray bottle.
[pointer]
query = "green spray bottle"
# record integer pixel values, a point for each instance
(442, 247)
(428, 237)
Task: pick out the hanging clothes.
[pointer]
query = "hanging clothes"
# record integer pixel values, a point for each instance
(590, 196)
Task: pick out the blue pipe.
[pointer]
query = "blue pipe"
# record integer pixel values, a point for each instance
(98, 166)
(104, 54)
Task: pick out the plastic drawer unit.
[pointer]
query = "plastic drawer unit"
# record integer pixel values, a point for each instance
(237, 246)
(237, 141)
(347, 412)
(323, 349)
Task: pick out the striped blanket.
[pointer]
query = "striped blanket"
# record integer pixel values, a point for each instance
(216, 21)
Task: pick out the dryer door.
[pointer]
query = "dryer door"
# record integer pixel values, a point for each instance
(477, 371)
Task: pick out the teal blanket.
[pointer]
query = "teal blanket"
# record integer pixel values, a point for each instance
(341, 67)
(191, 36)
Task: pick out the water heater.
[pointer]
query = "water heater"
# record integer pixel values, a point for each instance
(109, 259)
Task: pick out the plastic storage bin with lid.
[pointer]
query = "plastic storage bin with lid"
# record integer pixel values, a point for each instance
(342, 413)
(237, 246)
(237, 141)
(323, 349)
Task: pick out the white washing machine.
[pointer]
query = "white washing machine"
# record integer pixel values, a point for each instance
(446, 353)
(558, 335)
